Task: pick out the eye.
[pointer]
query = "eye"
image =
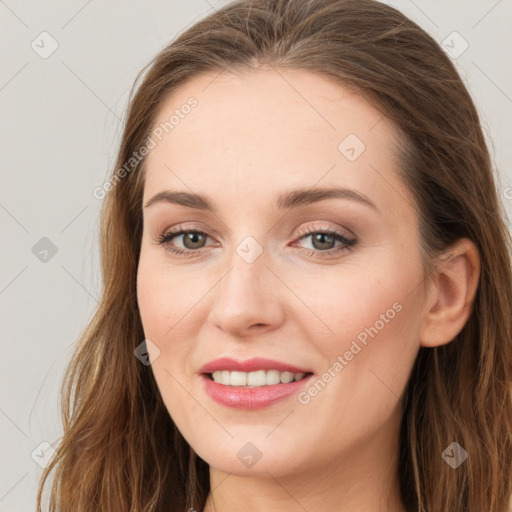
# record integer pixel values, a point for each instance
(323, 241)
(192, 240)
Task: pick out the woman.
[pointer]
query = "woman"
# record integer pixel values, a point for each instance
(307, 280)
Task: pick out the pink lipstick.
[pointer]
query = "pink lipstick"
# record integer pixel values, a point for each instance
(277, 381)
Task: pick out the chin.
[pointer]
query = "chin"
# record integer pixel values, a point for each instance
(254, 458)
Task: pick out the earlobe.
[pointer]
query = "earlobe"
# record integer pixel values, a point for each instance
(451, 294)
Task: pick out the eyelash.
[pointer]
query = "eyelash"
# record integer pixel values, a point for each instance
(348, 243)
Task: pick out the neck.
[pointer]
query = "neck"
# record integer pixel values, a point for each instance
(363, 480)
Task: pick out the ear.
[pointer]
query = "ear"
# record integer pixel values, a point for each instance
(451, 294)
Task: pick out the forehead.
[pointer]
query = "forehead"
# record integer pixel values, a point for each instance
(267, 129)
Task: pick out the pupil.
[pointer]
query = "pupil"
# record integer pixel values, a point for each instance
(192, 237)
(319, 237)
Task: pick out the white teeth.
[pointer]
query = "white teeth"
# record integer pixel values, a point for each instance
(238, 379)
(286, 377)
(272, 377)
(255, 379)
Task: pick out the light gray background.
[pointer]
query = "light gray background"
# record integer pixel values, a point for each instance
(60, 127)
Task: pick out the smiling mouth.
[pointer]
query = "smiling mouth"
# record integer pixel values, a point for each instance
(255, 379)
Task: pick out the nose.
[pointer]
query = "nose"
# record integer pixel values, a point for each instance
(245, 300)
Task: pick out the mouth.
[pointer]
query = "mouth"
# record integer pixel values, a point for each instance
(254, 383)
(255, 379)
(253, 390)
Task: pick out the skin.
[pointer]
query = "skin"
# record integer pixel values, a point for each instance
(253, 136)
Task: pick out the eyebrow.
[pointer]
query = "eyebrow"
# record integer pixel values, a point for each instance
(287, 200)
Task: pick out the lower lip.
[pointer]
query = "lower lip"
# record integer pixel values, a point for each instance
(252, 398)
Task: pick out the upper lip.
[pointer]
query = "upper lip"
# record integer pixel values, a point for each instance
(250, 365)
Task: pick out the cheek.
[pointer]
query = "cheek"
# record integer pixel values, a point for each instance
(163, 311)
(360, 301)
(374, 319)
(166, 298)
(382, 313)
(171, 306)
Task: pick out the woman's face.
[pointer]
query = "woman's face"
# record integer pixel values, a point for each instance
(322, 283)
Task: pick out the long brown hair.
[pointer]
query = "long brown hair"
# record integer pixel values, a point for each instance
(121, 450)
